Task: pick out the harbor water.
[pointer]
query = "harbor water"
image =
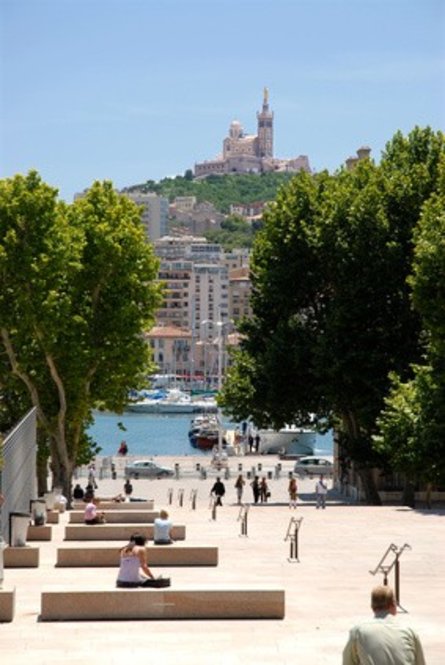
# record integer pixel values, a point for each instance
(154, 434)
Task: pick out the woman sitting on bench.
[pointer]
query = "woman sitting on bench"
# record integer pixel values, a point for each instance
(91, 514)
(133, 560)
(161, 529)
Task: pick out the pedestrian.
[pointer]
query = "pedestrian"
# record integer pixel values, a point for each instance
(92, 476)
(239, 486)
(255, 485)
(257, 442)
(123, 448)
(218, 490)
(321, 490)
(264, 490)
(292, 491)
(382, 640)
(250, 441)
(128, 489)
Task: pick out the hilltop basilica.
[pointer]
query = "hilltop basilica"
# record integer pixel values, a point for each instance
(246, 153)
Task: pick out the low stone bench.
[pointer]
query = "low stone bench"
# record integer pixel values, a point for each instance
(157, 555)
(52, 517)
(119, 516)
(130, 604)
(7, 605)
(43, 532)
(21, 557)
(108, 504)
(116, 531)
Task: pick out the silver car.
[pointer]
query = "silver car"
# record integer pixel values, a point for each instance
(147, 469)
(309, 466)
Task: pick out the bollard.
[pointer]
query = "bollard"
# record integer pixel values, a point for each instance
(177, 470)
(193, 495)
(226, 473)
(213, 506)
(170, 496)
(240, 467)
(198, 467)
(277, 472)
(113, 471)
(181, 498)
(203, 473)
(260, 467)
(290, 474)
(249, 475)
(269, 475)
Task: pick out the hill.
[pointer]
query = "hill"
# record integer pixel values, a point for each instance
(221, 190)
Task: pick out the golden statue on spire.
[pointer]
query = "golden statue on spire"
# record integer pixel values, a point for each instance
(266, 96)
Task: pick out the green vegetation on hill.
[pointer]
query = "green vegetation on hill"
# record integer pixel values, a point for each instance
(221, 190)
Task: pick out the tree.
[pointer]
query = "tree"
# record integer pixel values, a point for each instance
(412, 425)
(77, 291)
(331, 309)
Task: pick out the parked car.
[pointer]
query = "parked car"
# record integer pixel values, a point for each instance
(308, 466)
(147, 469)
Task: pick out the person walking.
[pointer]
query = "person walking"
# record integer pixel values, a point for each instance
(128, 489)
(382, 640)
(239, 486)
(264, 490)
(255, 485)
(218, 490)
(321, 490)
(292, 491)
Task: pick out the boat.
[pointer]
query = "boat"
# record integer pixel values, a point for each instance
(170, 401)
(288, 441)
(204, 433)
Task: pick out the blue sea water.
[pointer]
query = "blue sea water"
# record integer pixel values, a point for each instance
(153, 434)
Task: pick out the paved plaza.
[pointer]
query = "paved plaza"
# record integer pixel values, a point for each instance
(327, 591)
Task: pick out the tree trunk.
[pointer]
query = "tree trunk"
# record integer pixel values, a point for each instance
(409, 496)
(429, 489)
(371, 494)
(42, 475)
(62, 477)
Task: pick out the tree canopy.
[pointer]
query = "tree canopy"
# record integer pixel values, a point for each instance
(77, 290)
(332, 314)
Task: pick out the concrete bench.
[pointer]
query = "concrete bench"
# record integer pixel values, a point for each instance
(43, 532)
(21, 557)
(157, 555)
(119, 516)
(130, 604)
(7, 605)
(105, 504)
(52, 517)
(116, 531)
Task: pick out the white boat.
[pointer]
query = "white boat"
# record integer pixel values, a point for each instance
(171, 401)
(289, 440)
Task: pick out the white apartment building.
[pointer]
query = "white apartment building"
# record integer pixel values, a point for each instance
(154, 213)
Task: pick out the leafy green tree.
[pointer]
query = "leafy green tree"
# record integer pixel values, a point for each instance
(412, 425)
(331, 307)
(77, 290)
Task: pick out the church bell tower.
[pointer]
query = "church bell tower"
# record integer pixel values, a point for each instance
(265, 128)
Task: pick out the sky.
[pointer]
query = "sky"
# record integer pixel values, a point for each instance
(132, 90)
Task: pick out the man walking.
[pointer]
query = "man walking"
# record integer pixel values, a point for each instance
(218, 491)
(321, 490)
(381, 640)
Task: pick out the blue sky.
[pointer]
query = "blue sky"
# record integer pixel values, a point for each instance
(131, 90)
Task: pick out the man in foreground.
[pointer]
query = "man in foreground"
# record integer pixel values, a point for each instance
(381, 640)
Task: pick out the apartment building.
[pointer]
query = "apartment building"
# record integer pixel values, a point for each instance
(154, 213)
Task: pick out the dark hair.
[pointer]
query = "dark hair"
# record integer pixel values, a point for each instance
(138, 539)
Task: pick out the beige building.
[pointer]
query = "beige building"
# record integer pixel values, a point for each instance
(251, 153)
(240, 288)
(172, 347)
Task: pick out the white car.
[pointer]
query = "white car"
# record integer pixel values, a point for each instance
(309, 466)
(147, 469)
